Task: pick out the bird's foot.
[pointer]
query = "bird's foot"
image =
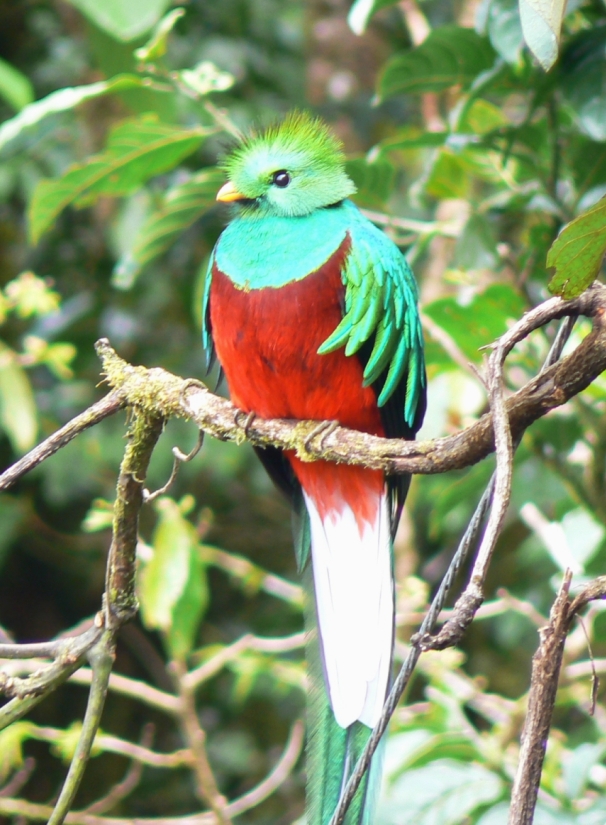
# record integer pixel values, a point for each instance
(324, 429)
(247, 422)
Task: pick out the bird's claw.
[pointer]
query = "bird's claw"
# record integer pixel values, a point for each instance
(247, 423)
(324, 429)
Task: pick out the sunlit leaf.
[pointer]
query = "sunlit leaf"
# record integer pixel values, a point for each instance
(448, 177)
(163, 579)
(450, 56)
(15, 87)
(18, 414)
(156, 45)
(30, 295)
(61, 101)
(541, 25)
(136, 150)
(205, 77)
(576, 254)
(480, 322)
(123, 20)
(501, 21)
(189, 609)
(182, 206)
(12, 739)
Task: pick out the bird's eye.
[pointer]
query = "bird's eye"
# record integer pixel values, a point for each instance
(281, 178)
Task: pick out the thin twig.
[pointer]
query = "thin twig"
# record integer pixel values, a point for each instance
(194, 678)
(195, 737)
(107, 406)
(283, 769)
(101, 659)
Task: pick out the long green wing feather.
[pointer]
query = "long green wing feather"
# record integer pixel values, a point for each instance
(381, 306)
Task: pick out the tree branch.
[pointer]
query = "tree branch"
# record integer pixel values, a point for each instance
(163, 393)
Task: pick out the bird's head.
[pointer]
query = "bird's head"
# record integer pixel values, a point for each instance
(288, 170)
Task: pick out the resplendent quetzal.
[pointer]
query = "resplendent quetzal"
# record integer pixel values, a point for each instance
(312, 313)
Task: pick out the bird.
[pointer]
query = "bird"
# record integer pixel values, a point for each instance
(312, 313)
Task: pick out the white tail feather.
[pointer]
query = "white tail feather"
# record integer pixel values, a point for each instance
(355, 604)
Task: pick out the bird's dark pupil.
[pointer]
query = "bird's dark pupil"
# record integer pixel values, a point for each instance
(281, 178)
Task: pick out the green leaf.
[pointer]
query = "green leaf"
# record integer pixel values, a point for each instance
(182, 206)
(18, 415)
(413, 138)
(136, 150)
(541, 25)
(11, 131)
(189, 609)
(15, 87)
(156, 45)
(444, 791)
(450, 56)
(576, 254)
(577, 767)
(480, 322)
(205, 78)
(583, 85)
(374, 180)
(30, 296)
(476, 246)
(448, 177)
(123, 19)
(163, 579)
(504, 29)
(361, 12)
(11, 748)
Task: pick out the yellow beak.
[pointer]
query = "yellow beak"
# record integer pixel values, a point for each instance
(228, 193)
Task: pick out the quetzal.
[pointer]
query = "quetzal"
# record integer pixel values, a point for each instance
(312, 313)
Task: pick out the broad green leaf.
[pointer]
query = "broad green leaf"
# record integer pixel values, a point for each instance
(361, 12)
(577, 767)
(15, 87)
(136, 150)
(374, 180)
(541, 25)
(123, 19)
(481, 321)
(583, 84)
(483, 117)
(182, 206)
(163, 579)
(448, 177)
(476, 247)
(450, 56)
(61, 101)
(189, 609)
(412, 138)
(156, 45)
(18, 415)
(576, 254)
(501, 22)
(445, 792)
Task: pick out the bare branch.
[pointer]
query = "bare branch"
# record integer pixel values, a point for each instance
(546, 665)
(102, 659)
(93, 415)
(121, 603)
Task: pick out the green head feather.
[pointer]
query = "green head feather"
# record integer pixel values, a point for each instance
(290, 169)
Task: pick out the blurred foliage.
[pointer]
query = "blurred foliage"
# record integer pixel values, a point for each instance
(473, 159)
